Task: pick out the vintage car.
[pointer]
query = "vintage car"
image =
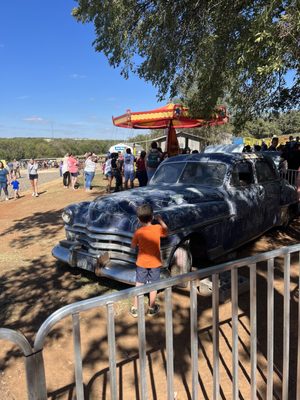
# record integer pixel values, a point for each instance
(212, 204)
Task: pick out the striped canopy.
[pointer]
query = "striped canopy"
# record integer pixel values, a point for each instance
(161, 118)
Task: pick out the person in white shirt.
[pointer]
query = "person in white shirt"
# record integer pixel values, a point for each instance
(128, 168)
(33, 176)
(108, 173)
(89, 171)
(65, 172)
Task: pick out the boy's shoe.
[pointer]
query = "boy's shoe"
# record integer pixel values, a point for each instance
(153, 310)
(133, 312)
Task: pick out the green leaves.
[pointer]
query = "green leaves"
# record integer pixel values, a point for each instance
(237, 48)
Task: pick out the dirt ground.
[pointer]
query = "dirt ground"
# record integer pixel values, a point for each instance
(33, 285)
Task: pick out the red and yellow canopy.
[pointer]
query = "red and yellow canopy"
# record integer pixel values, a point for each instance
(161, 118)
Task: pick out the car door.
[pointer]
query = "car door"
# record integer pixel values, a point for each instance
(245, 199)
(269, 185)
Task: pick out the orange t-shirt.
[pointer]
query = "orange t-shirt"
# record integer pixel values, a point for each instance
(147, 238)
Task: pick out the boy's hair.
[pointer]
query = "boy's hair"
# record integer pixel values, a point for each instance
(144, 213)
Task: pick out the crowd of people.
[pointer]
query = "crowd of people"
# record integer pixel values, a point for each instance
(289, 152)
(70, 168)
(125, 168)
(121, 170)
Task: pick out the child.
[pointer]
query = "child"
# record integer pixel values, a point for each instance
(15, 185)
(148, 263)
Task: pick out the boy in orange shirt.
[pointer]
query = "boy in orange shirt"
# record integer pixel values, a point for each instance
(148, 263)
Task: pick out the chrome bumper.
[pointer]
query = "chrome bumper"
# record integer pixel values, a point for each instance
(71, 253)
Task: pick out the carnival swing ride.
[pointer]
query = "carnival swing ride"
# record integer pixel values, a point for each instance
(170, 117)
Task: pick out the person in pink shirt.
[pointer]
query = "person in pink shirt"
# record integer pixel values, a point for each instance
(73, 169)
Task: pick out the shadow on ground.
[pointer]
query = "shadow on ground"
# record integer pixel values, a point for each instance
(30, 294)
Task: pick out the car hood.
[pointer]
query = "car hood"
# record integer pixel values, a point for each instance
(178, 207)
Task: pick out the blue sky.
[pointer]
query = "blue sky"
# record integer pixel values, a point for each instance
(53, 83)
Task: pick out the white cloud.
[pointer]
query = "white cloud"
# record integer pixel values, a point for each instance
(77, 76)
(22, 97)
(35, 119)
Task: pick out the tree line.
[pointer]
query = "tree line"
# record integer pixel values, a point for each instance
(24, 148)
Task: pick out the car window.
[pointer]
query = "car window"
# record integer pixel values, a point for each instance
(242, 174)
(264, 171)
(168, 173)
(203, 173)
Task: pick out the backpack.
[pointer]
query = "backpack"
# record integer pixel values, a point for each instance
(153, 159)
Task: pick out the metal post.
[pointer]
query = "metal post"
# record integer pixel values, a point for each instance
(169, 343)
(35, 377)
(78, 359)
(234, 316)
(270, 327)
(111, 337)
(286, 328)
(253, 330)
(216, 355)
(298, 352)
(142, 346)
(34, 364)
(194, 339)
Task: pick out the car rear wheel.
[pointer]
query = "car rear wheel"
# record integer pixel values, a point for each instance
(181, 262)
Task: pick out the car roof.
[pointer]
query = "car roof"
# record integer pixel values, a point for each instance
(227, 158)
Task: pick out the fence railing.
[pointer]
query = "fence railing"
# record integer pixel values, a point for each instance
(292, 176)
(250, 267)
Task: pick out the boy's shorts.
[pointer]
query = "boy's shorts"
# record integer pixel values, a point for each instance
(147, 275)
(129, 175)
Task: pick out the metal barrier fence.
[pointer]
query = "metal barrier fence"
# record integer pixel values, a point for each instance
(292, 176)
(34, 363)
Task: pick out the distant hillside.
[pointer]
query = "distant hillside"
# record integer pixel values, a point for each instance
(20, 148)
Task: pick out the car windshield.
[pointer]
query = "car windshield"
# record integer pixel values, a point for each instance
(198, 173)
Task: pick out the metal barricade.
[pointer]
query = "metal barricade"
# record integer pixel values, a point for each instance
(36, 380)
(292, 176)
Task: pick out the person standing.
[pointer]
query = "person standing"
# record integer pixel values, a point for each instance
(89, 171)
(148, 263)
(16, 169)
(73, 169)
(116, 171)
(16, 187)
(33, 176)
(4, 180)
(153, 160)
(65, 172)
(274, 143)
(128, 168)
(141, 172)
(108, 173)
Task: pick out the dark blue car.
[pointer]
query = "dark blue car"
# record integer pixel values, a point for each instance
(212, 203)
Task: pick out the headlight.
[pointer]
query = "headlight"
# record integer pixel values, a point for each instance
(67, 216)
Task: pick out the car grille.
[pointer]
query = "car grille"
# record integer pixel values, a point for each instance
(100, 241)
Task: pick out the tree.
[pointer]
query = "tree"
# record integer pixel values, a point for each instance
(217, 48)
